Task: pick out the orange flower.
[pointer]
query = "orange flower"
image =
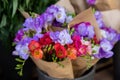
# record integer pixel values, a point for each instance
(33, 45)
(72, 53)
(37, 53)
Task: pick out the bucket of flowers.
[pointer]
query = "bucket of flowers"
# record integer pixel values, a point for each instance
(62, 45)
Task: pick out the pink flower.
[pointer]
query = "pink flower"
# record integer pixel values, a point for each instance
(82, 50)
(76, 41)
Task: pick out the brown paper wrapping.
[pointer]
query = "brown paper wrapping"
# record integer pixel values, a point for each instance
(111, 19)
(87, 16)
(66, 4)
(79, 5)
(54, 69)
(107, 4)
(80, 65)
(76, 67)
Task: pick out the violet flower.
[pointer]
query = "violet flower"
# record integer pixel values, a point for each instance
(91, 2)
(105, 49)
(22, 51)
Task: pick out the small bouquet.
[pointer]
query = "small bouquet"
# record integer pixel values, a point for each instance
(61, 44)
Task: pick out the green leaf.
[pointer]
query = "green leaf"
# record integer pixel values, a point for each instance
(19, 60)
(3, 22)
(20, 73)
(27, 2)
(17, 68)
(15, 5)
(19, 65)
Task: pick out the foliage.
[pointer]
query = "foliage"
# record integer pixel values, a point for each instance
(9, 14)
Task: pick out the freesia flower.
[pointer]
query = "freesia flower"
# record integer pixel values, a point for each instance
(84, 30)
(64, 37)
(72, 53)
(60, 51)
(19, 36)
(22, 51)
(37, 53)
(76, 41)
(45, 40)
(33, 45)
(82, 50)
(91, 2)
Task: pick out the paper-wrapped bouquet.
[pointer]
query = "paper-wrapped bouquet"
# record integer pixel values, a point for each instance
(62, 44)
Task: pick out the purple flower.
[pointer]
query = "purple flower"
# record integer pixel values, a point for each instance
(54, 36)
(29, 23)
(69, 19)
(91, 2)
(106, 45)
(103, 54)
(60, 16)
(91, 32)
(22, 51)
(38, 22)
(19, 36)
(37, 36)
(99, 19)
(110, 34)
(64, 37)
(52, 9)
(84, 30)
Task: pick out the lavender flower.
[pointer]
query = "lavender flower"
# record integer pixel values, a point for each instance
(106, 45)
(54, 36)
(103, 54)
(22, 51)
(91, 32)
(110, 34)
(29, 23)
(99, 19)
(85, 30)
(60, 16)
(64, 37)
(91, 2)
(105, 49)
(52, 9)
(69, 19)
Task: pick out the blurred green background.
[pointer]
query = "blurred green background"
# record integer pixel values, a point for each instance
(11, 19)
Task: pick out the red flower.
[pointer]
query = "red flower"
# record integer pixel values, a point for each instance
(37, 53)
(60, 50)
(33, 45)
(45, 40)
(95, 39)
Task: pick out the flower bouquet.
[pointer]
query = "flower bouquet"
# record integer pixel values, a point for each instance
(62, 44)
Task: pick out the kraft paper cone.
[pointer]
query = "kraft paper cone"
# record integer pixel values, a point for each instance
(79, 5)
(106, 4)
(66, 4)
(112, 19)
(80, 65)
(86, 16)
(55, 70)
